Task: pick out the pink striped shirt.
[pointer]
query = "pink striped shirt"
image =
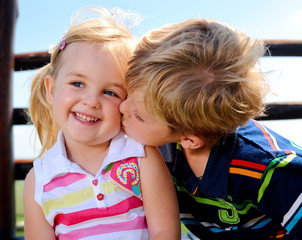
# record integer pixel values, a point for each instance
(81, 206)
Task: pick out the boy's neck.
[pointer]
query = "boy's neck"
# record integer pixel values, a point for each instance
(197, 159)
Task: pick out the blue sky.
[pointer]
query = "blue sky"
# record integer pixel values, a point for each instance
(42, 23)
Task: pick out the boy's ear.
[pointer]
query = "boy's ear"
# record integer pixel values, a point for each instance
(191, 142)
(49, 85)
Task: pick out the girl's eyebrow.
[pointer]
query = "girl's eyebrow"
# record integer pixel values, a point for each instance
(77, 74)
(119, 85)
(80, 75)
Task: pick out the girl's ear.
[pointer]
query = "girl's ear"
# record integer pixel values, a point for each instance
(191, 142)
(49, 84)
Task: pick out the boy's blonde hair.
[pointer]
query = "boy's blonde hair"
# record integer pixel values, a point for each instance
(92, 26)
(200, 77)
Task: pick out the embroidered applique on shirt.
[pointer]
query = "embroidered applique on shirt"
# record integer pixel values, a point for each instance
(125, 175)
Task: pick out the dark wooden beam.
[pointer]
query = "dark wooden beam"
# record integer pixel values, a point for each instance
(29, 61)
(22, 167)
(282, 111)
(285, 48)
(20, 116)
(8, 17)
(274, 111)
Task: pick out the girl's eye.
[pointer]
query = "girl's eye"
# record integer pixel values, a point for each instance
(108, 92)
(77, 84)
(138, 117)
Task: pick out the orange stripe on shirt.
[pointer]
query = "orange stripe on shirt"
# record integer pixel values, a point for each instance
(265, 134)
(245, 172)
(268, 137)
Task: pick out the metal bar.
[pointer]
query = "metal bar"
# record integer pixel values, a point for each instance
(8, 17)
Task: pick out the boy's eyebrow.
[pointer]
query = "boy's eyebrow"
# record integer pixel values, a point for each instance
(136, 99)
(133, 102)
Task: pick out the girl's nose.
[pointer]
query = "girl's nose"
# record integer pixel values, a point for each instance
(92, 100)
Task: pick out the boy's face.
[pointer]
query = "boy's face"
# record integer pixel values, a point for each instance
(141, 125)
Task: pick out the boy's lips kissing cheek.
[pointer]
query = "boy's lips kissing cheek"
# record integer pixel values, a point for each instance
(123, 123)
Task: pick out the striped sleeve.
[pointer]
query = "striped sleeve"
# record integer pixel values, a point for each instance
(280, 195)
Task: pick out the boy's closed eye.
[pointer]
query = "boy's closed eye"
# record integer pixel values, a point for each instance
(138, 117)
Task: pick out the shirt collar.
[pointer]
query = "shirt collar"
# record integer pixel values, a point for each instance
(55, 161)
(214, 182)
(215, 178)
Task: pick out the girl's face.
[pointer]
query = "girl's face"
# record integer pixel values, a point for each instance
(86, 94)
(141, 125)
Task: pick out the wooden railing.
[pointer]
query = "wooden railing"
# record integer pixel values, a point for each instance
(11, 170)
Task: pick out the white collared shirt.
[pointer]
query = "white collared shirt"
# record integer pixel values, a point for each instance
(82, 206)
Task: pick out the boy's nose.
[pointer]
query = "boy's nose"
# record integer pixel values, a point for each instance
(123, 106)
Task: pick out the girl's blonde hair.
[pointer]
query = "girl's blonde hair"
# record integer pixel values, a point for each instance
(200, 77)
(97, 25)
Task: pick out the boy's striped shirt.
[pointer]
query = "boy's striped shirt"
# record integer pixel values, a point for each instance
(251, 188)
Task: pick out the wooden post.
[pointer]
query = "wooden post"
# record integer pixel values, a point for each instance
(8, 17)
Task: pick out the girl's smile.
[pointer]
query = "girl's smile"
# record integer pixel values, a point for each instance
(85, 118)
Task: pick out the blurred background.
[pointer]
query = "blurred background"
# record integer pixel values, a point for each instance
(42, 24)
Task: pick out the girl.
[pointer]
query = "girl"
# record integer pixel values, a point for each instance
(89, 183)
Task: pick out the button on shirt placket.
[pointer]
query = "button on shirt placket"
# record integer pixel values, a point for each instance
(99, 193)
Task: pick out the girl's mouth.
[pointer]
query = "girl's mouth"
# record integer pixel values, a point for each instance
(85, 118)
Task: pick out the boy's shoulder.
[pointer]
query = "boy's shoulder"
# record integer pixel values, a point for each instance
(259, 142)
(168, 151)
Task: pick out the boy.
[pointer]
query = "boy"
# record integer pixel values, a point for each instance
(196, 86)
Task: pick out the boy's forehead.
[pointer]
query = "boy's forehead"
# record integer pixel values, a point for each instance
(137, 98)
(137, 95)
